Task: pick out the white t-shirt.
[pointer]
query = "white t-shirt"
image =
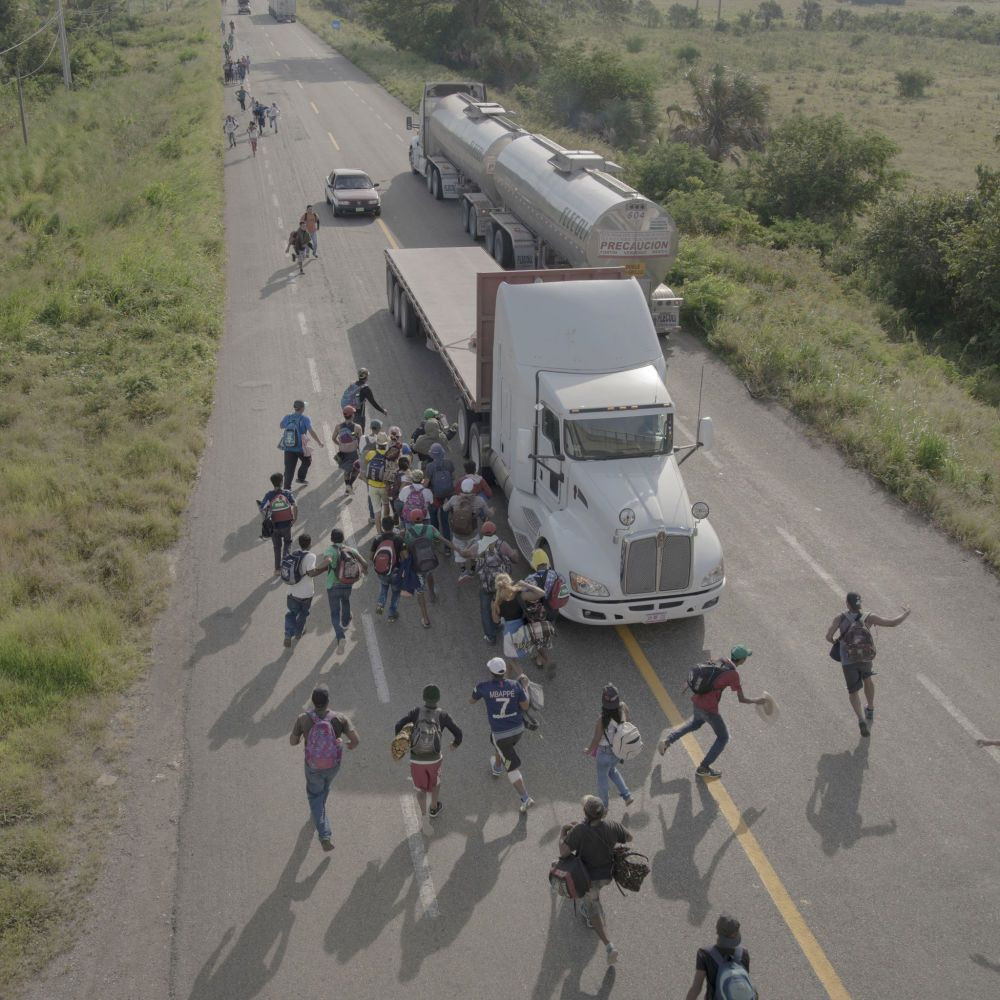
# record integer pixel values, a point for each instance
(305, 587)
(427, 495)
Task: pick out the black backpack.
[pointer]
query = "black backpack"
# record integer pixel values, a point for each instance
(702, 676)
(421, 548)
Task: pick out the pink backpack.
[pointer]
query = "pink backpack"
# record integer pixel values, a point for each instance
(323, 749)
(415, 500)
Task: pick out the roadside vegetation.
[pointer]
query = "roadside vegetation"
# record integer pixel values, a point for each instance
(111, 293)
(839, 243)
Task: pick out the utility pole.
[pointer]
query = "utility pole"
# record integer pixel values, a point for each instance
(64, 47)
(20, 104)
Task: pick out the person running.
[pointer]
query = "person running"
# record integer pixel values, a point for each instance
(368, 441)
(272, 116)
(376, 475)
(278, 505)
(294, 427)
(419, 540)
(726, 957)
(508, 609)
(427, 722)
(358, 394)
(241, 72)
(479, 484)
(987, 743)
(311, 221)
(505, 701)
(855, 647)
(544, 576)
(432, 434)
(241, 95)
(387, 558)
(253, 134)
(613, 713)
(323, 732)
(593, 840)
(492, 556)
(467, 512)
(396, 485)
(300, 595)
(440, 473)
(229, 127)
(415, 495)
(344, 567)
(706, 709)
(347, 435)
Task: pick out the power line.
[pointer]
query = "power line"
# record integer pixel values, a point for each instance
(17, 45)
(38, 68)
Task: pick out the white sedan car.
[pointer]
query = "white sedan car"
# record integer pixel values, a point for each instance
(352, 192)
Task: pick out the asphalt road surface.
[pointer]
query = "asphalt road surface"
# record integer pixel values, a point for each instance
(855, 865)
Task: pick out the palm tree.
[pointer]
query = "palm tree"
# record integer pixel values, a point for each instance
(729, 113)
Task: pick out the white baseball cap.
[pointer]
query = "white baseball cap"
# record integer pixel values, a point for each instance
(468, 485)
(497, 665)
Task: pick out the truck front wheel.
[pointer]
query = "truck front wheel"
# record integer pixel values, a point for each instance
(476, 447)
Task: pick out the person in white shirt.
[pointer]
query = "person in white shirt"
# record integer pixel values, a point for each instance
(300, 595)
(229, 127)
(272, 116)
(415, 496)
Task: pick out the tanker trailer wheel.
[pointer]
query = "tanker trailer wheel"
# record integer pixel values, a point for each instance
(390, 290)
(503, 252)
(408, 321)
(436, 184)
(430, 178)
(477, 449)
(413, 169)
(397, 305)
(466, 421)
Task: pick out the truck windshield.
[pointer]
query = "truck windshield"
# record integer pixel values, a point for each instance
(626, 435)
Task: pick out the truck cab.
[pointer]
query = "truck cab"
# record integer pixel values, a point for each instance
(420, 154)
(581, 437)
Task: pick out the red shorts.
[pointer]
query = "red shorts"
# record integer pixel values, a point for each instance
(425, 776)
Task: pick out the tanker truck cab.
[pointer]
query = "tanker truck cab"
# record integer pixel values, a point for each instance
(425, 159)
(582, 439)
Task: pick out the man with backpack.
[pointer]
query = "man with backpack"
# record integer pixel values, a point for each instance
(297, 570)
(347, 437)
(344, 567)
(324, 733)
(723, 969)
(427, 722)
(593, 841)
(280, 511)
(294, 427)
(506, 701)
(440, 474)
(309, 218)
(545, 577)
(357, 394)
(466, 511)
(418, 540)
(387, 556)
(415, 495)
(376, 476)
(491, 556)
(854, 648)
(707, 681)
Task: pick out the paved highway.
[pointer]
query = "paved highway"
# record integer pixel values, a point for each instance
(855, 865)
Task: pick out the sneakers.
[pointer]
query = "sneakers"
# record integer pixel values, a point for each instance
(379, 608)
(869, 715)
(526, 804)
(465, 575)
(339, 647)
(393, 618)
(585, 914)
(435, 811)
(497, 773)
(612, 954)
(662, 746)
(288, 642)
(708, 772)
(327, 844)
(630, 800)
(863, 726)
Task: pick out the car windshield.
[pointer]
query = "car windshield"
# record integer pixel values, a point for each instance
(353, 182)
(628, 435)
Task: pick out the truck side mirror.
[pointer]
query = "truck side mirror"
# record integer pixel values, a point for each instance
(706, 433)
(409, 123)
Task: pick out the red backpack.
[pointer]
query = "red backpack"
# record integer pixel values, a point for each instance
(384, 559)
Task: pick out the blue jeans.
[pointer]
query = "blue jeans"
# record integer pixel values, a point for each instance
(698, 719)
(318, 783)
(339, 596)
(486, 614)
(607, 767)
(393, 582)
(296, 615)
(313, 237)
(441, 521)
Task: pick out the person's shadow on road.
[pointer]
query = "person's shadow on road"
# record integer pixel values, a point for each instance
(243, 539)
(252, 962)
(224, 626)
(569, 947)
(984, 962)
(675, 875)
(279, 280)
(833, 806)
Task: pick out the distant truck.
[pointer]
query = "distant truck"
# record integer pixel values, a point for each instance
(561, 380)
(281, 10)
(536, 204)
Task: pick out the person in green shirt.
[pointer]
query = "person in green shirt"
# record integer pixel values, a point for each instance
(419, 540)
(345, 567)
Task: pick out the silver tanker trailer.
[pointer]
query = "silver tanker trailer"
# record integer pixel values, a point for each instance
(536, 204)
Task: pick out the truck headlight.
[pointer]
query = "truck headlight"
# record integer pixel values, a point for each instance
(715, 576)
(589, 588)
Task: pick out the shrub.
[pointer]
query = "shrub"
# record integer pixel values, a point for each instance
(688, 55)
(635, 43)
(706, 212)
(186, 56)
(911, 83)
(769, 12)
(680, 16)
(671, 166)
(805, 233)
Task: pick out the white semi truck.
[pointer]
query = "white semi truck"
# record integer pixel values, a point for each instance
(281, 10)
(560, 378)
(536, 204)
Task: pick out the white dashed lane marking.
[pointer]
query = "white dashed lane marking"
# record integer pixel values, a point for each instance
(812, 564)
(946, 703)
(421, 867)
(314, 375)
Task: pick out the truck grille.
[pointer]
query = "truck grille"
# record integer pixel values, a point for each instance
(656, 563)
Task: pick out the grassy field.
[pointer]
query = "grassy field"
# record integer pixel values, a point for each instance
(111, 293)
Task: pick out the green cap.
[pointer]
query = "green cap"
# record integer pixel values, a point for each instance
(738, 653)
(432, 695)
(430, 413)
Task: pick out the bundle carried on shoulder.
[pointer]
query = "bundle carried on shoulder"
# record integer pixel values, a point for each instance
(400, 745)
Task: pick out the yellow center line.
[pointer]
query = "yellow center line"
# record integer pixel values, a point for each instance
(313, 106)
(804, 937)
(334, 141)
(388, 235)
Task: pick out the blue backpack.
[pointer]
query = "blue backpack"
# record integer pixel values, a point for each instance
(352, 396)
(732, 981)
(291, 436)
